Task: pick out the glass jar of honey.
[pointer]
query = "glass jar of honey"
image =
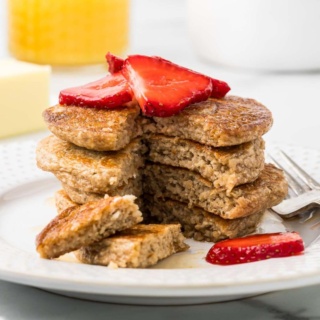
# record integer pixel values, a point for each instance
(67, 32)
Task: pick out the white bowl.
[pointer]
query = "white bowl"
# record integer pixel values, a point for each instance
(274, 35)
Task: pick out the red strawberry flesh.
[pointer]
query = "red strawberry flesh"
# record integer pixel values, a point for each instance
(255, 248)
(219, 88)
(112, 91)
(115, 63)
(163, 88)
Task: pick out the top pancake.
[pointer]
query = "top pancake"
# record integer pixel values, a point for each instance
(216, 122)
(95, 129)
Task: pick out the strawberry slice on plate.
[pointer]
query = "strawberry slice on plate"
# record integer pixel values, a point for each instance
(163, 88)
(115, 63)
(109, 92)
(255, 247)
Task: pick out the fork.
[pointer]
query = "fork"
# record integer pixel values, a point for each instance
(306, 195)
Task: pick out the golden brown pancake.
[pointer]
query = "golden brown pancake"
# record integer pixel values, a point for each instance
(79, 226)
(198, 223)
(225, 167)
(88, 170)
(95, 129)
(186, 186)
(141, 246)
(215, 122)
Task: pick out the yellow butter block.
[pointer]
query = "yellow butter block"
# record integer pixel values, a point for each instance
(24, 94)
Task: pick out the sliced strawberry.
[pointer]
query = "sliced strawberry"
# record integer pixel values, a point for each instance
(115, 63)
(109, 92)
(219, 88)
(163, 88)
(255, 248)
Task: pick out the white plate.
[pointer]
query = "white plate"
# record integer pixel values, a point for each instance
(26, 205)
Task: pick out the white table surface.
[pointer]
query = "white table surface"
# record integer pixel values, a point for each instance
(160, 28)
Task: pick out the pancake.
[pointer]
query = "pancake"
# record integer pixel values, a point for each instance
(197, 223)
(225, 167)
(133, 187)
(88, 170)
(186, 186)
(215, 122)
(138, 247)
(79, 226)
(95, 129)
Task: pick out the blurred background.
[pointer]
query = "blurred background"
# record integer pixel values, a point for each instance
(266, 50)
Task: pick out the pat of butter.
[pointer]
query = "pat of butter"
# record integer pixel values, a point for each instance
(24, 94)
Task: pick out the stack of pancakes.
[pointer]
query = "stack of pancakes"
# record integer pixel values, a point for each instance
(206, 170)
(93, 152)
(203, 168)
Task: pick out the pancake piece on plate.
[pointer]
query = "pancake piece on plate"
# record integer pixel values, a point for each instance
(79, 226)
(140, 246)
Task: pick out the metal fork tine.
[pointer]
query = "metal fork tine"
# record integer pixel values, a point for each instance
(307, 216)
(300, 172)
(292, 182)
(303, 207)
